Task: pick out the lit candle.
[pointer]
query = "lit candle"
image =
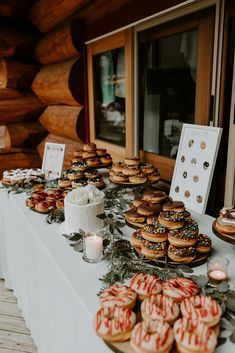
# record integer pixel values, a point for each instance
(217, 270)
(93, 248)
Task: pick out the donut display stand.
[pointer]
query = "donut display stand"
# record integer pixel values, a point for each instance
(229, 238)
(199, 260)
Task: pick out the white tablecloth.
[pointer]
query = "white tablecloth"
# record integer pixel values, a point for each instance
(56, 289)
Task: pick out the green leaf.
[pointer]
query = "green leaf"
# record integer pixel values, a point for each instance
(81, 231)
(232, 337)
(75, 237)
(120, 224)
(221, 341)
(224, 323)
(210, 290)
(225, 333)
(119, 230)
(78, 247)
(110, 215)
(106, 243)
(185, 268)
(101, 216)
(201, 280)
(230, 304)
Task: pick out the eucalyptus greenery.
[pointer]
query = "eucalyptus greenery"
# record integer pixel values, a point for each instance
(56, 215)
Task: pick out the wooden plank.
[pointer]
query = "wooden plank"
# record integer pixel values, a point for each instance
(7, 296)
(9, 309)
(13, 324)
(21, 342)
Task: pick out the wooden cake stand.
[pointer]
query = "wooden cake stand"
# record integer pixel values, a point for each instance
(229, 238)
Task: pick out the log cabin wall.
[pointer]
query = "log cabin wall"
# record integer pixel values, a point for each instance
(56, 101)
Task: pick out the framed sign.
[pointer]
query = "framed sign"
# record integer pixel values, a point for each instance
(195, 165)
(53, 159)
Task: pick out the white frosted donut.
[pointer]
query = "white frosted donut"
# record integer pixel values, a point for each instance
(159, 307)
(145, 285)
(205, 309)
(194, 336)
(152, 336)
(114, 324)
(119, 295)
(179, 288)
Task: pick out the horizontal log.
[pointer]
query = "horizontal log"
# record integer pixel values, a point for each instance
(64, 121)
(9, 93)
(14, 8)
(13, 158)
(14, 74)
(61, 44)
(60, 83)
(70, 147)
(46, 15)
(14, 42)
(24, 134)
(18, 109)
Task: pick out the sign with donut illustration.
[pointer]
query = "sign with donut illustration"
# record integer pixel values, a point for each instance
(53, 159)
(194, 167)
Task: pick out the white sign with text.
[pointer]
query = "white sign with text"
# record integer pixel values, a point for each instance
(53, 159)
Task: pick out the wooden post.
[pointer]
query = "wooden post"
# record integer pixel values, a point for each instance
(60, 83)
(14, 74)
(61, 44)
(24, 134)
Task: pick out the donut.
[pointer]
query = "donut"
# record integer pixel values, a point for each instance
(155, 176)
(138, 179)
(118, 166)
(154, 196)
(187, 215)
(152, 220)
(137, 201)
(89, 147)
(75, 174)
(132, 161)
(51, 200)
(111, 172)
(147, 168)
(179, 288)
(78, 153)
(91, 173)
(137, 239)
(120, 295)
(194, 336)
(93, 162)
(191, 225)
(39, 195)
(130, 170)
(145, 285)
(203, 308)
(78, 183)
(106, 160)
(181, 254)
(154, 233)
(171, 220)
(152, 337)
(119, 177)
(226, 221)
(114, 324)
(30, 202)
(77, 159)
(147, 209)
(182, 237)
(101, 152)
(64, 183)
(175, 206)
(97, 181)
(60, 203)
(88, 154)
(203, 244)
(154, 250)
(80, 166)
(158, 307)
(134, 217)
(42, 206)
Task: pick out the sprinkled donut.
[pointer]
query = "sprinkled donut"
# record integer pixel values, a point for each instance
(203, 308)
(179, 288)
(154, 250)
(181, 254)
(155, 233)
(182, 237)
(145, 285)
(153, 336)
(119, 295)
(194, 336)
(171, 220)
(203, 244)
(159, 307)
(137, 239)
(114, 324)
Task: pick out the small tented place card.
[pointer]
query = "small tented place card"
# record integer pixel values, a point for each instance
(195, 165)
(53, 159)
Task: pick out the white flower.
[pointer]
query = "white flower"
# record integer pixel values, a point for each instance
(84, 195)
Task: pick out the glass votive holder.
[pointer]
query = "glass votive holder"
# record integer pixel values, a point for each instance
(93, 247)
(217, 270)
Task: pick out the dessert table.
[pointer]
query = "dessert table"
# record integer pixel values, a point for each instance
(55, 288)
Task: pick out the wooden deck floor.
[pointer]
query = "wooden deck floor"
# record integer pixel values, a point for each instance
(14, 335)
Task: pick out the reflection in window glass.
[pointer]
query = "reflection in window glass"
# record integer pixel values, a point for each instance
(109, 96)
(167, 90)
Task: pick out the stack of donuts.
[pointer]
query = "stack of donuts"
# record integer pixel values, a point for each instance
(82, 170)
(133, 171)
(43, 201)
(172, 311)
(171, 233)
(18, 176)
